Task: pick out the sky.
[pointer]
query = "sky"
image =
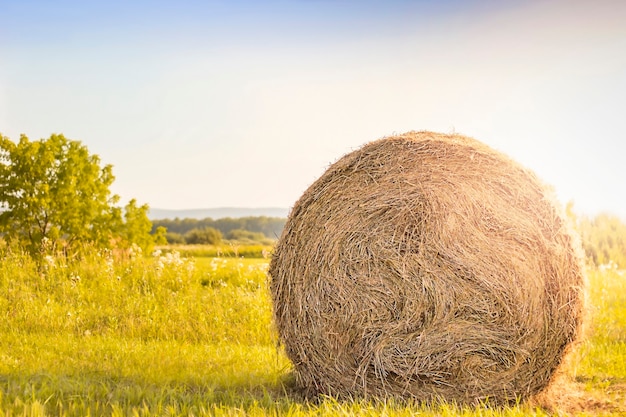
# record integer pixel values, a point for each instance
(200, 104)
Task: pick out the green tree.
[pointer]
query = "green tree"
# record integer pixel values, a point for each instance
(53, 191)
(137, 226)
(160, 236)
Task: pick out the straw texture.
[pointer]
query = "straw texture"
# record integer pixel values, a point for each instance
(426, 266)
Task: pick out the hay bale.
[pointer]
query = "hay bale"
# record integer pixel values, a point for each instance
(426, 266)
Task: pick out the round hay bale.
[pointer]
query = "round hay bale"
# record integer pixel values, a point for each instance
(426, 266)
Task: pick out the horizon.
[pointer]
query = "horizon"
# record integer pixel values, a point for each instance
(245, 104)
(219, 212)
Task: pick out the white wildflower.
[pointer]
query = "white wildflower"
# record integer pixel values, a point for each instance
(49, 261)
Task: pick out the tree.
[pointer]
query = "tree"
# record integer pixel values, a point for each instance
(137, 226)
(160, 236)
(53, 190)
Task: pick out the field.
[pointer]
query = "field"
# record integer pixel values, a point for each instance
(167, 335)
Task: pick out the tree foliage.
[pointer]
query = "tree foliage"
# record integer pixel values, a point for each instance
(54, 191)
(137, 225)
(160, 236)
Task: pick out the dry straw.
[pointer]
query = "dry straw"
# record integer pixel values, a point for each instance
(426, 266)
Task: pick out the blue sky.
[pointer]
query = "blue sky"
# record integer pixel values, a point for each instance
(245, 103)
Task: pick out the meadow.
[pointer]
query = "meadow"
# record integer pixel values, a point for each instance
(166, 334)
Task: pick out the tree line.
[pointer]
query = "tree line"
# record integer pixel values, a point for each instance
(261, 229)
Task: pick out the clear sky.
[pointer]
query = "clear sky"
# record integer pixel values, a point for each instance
(245, 103)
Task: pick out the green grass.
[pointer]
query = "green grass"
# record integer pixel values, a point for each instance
(228, 250)
(601, 358)
(167, 335)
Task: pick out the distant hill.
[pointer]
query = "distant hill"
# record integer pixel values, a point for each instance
(217, 213)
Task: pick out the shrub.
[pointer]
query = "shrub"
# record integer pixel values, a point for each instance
(205, 236)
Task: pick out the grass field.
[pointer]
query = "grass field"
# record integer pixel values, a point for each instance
(166, 335)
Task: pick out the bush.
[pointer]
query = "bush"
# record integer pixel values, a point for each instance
(175, 238)
(246, 236)
(205, 236)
